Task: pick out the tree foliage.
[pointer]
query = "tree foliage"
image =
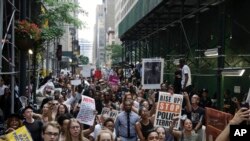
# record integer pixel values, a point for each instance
(116, 53)
(57, 14)
(84, 60)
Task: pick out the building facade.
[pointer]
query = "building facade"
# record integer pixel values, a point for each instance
(86, 49)
(100, 40)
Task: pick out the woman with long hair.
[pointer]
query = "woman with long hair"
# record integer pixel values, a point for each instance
(74, 132)
(62, 109)
(13, 122)
(46, 114)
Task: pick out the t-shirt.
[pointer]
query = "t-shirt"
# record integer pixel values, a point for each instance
(2, 89)
(35, 129)
(197, 115)
(186, 70)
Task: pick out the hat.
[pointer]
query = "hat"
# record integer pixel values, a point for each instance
(27, 107)
(204, 90)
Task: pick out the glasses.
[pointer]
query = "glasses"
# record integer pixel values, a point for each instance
(55, 103)
(51, 134)
(75, 127)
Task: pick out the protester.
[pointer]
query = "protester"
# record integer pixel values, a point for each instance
(186, 80)
(145, 124)
(105, 135)
(241, 115)
(187, 134)
(152, 135)
(13, 122)
(74, 131)
(33, 126)
(125, 123)
(51, 131)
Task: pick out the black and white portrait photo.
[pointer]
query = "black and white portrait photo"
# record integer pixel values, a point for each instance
(152, 73)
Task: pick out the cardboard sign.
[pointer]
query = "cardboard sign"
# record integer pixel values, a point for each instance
(75, 82)
(111, 113)
(86, 114)
(168, 107)
(86, 71)
(21, 134)
(152, 73)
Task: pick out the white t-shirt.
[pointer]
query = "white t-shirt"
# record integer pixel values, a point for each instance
(186, 70)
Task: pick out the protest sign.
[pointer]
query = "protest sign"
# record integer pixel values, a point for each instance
(86, 70)
(75, 82)
(86, 114)
(108, 112)
(114, 80)
(152, 73)
(168, 106)
(21, 134)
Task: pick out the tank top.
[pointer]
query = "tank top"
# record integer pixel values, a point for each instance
(146, 128)
(192, 137)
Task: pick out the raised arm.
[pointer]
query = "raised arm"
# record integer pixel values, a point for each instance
(241, 115)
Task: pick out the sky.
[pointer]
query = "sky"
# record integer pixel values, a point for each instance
(90, 7)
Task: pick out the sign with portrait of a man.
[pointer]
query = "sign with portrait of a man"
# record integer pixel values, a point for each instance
(152, 73)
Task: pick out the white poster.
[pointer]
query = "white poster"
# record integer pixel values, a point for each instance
(75, 82)
(169, 106)
(86, 114)
(86, 71)
(152, 73)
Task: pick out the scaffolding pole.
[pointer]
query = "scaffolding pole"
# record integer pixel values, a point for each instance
(1, 32)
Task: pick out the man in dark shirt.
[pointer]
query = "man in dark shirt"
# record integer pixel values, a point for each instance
(197, 115)
(33, 126)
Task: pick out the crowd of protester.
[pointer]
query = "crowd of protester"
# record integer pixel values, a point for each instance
(55, 119)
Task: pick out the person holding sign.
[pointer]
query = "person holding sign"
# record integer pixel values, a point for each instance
(187, 134)
(13, 122)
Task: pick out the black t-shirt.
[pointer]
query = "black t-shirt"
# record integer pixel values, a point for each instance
(197, 115)
(35, 129)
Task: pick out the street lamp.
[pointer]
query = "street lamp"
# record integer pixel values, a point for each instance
(30, 52)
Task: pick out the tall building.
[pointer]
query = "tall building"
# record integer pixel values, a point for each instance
(122, 8)
(86, 49)
(109, 11)
(100, 36)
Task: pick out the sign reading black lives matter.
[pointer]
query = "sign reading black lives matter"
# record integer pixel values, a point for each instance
(152, 73)
(168, 107)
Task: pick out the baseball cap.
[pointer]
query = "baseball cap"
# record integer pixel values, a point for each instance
(27, 107)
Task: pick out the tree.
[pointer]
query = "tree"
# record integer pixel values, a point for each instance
(57, 14)
(116, 53)
(84, 60)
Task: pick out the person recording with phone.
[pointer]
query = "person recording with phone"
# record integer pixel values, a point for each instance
(243, 114)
